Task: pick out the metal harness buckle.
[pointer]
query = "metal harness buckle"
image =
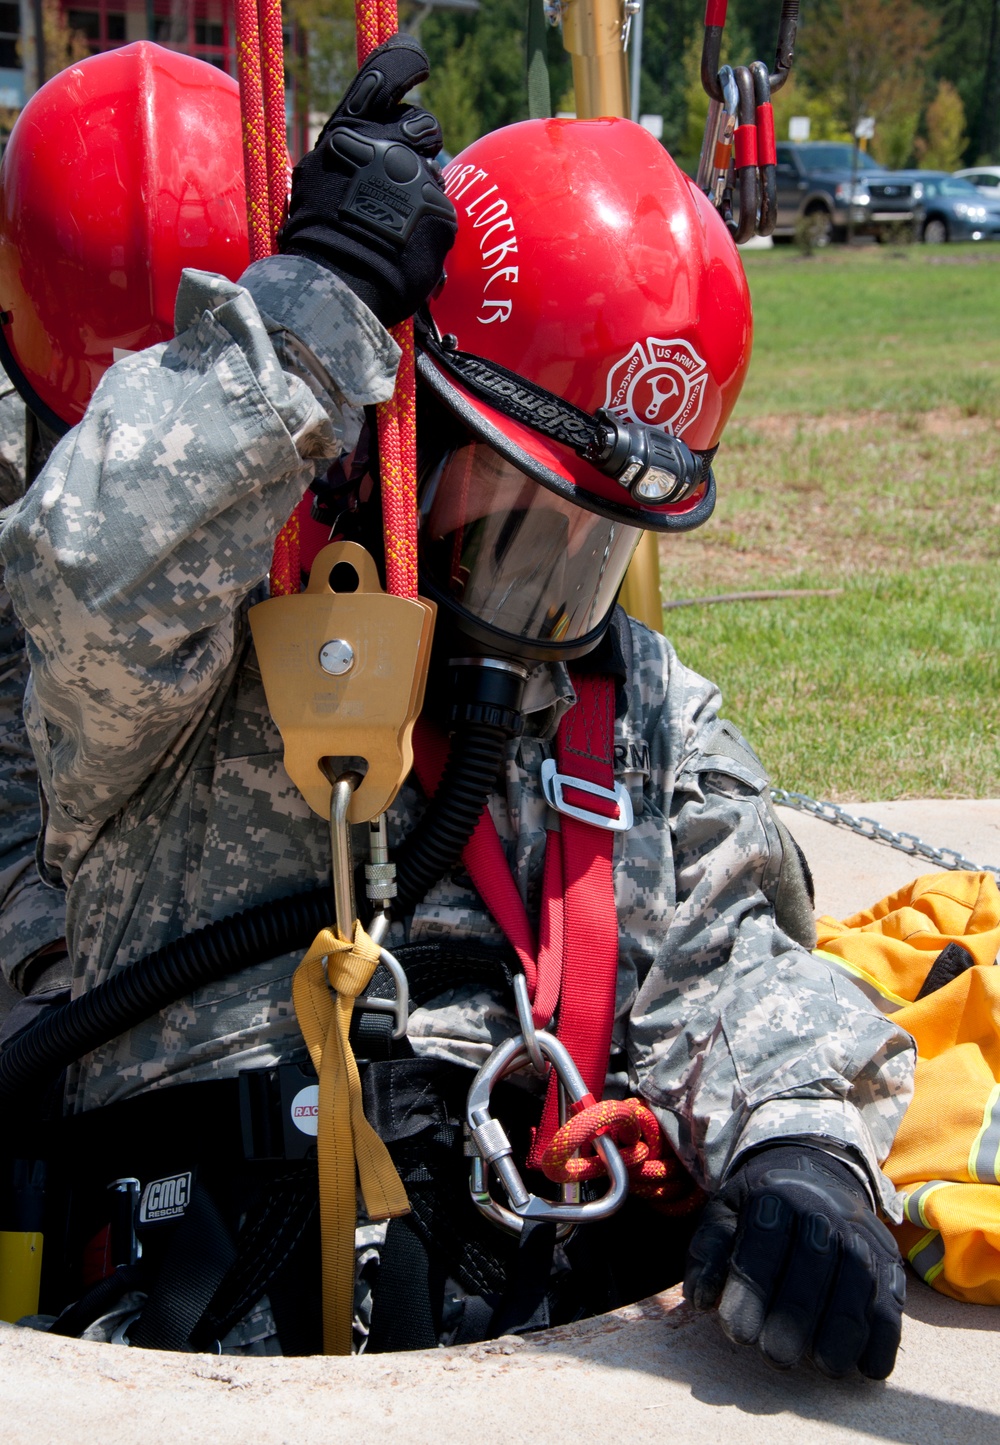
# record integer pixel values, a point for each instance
(553, 783)
(492, 1147)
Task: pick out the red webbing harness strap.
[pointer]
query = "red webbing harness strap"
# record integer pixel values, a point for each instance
(576, 964)
(483, 857)
(586, 898)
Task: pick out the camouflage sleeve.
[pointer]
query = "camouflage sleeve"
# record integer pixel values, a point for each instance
(739, 1037)
(32, 915)
(156, 517)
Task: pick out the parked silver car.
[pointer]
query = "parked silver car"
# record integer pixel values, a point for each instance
(986, 180)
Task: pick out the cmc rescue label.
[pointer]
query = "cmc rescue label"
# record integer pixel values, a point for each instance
(305, 1110)
(165, 1198)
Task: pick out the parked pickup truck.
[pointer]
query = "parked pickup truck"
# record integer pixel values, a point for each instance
(814, 182)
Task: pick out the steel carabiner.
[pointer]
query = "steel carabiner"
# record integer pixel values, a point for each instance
(745, 160)
(492, 1147)
(345, 911)
(767, 158)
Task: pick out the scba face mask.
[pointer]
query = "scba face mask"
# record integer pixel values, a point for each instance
(523, 570)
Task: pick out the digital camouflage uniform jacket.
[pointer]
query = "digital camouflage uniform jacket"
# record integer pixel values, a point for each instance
(131, 563)
(31, 912)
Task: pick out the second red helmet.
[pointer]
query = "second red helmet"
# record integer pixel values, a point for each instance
(120, 171)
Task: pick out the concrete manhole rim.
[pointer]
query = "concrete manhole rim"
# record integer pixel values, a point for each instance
(666, 1308)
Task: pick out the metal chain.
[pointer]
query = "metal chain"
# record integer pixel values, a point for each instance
(869, 828)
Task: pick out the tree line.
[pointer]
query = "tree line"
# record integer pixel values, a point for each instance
(928, 72)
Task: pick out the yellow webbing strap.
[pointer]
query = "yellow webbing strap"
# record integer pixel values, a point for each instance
(348, 1146)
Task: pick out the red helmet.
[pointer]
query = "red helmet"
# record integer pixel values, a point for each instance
(120, 171)
(593, 335)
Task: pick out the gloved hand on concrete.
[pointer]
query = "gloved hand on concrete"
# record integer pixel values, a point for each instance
(367, 202)
(799, 1265)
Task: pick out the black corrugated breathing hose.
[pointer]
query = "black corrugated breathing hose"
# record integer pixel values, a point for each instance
(486, 716)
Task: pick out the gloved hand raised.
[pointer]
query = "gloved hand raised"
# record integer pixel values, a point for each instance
(803, 1267)
(366, 201)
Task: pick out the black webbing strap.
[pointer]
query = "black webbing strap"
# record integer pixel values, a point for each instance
(524, 1304)
(98, 1300)
(539, 90)
(519, 398)
(402, 1315)
(273, 1230)
(531, 405)
(198, 1258)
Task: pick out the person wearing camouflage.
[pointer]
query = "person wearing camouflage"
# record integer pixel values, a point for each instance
(132, 566)
(32, 913)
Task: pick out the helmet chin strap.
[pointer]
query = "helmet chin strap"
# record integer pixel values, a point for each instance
(653, 467)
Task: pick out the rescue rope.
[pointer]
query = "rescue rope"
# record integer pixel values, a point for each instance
(376, 20)
(260, 62)
(260, 65)
(570, 1157)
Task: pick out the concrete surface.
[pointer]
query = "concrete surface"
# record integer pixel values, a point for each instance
(852, 873)
(655, 1371)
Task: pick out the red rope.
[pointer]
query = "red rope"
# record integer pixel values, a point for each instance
(636, 1130)
(255, 148)
(397, 419)
(272, 56)
(260, 58)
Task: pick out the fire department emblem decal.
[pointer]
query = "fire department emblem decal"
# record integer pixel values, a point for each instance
(660, 383)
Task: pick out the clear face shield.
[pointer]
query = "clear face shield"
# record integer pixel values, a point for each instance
(516, 562)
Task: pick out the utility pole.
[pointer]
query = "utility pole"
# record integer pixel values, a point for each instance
(594, 34)
(39, 17)
(989, 122)
(635, 56)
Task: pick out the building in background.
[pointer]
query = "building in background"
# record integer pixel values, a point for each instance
(203, 28)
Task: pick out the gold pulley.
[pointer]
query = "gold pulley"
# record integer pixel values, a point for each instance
(344, 667)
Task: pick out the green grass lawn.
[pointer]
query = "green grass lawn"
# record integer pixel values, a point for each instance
(864, 455)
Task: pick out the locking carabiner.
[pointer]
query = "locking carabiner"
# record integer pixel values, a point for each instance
(745, 161)
(345, 912)
(493, 1149)
(767, 155)
(722, 154)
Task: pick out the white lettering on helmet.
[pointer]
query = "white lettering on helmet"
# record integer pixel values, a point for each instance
(470, 208)
(460, 180)
(501, 311)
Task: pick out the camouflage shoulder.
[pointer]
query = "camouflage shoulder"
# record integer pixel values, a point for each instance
(323, 312)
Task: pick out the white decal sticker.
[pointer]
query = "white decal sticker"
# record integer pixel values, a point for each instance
(305, 1110)
(660, 383)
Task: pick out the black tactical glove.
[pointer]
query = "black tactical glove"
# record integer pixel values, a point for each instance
(803, 1267)
(366, 201)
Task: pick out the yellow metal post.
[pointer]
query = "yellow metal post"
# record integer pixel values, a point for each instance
(592, 33)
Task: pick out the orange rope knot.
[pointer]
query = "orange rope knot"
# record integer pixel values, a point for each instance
(571, 1157)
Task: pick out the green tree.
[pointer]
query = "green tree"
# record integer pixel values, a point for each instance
(324, 70)
(451, 94)
(968, 54)
(945, 125)
(866, 53)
